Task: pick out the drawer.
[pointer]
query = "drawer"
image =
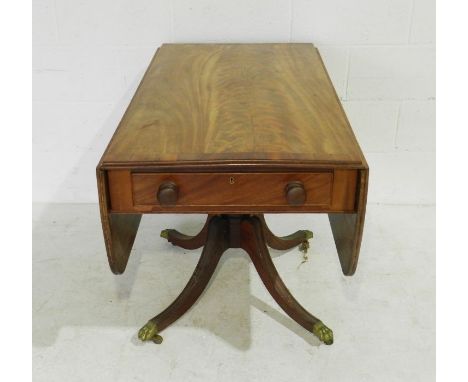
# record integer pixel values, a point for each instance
(235, 189)
(231, 192)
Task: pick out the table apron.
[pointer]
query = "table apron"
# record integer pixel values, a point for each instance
(327, 191)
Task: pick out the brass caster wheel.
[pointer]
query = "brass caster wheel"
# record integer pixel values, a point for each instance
(157, 339)
(324, 333)
(149, 332)
(304, 246)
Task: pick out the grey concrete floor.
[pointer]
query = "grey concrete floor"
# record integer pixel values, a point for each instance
(85, 319)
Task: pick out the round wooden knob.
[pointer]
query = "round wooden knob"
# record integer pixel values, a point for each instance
(168, 193)
(295, 193)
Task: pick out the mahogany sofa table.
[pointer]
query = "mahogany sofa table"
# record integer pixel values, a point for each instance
(234, 131)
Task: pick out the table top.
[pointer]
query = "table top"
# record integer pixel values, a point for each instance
(235, 103)
(233, 129)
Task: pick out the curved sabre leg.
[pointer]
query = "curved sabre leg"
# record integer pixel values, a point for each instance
(185, 241)
(216, 244)
(300, 238)
(252, 241)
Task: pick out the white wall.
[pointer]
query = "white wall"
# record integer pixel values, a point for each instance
(89, 55)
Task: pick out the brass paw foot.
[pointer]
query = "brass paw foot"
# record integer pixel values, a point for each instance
(165, 233)
(305, 244)
(149, 332)
(324, 333)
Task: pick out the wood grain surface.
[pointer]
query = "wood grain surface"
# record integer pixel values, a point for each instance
(234, 102)
(232, 192)
(119, 229)
(348, 228)
(265, 114)
(238, 189)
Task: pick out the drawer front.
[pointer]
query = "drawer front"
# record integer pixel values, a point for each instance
(320, 191)
(236, 189)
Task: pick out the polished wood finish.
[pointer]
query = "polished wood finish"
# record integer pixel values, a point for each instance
(262, 115)
(185, 241)
(253, 242)
(234, 192)
(168, 194)
(348, 228)
(344, 191)
(296, 193)
(234, 231)
(285, 242)
(120, 191)
(119, 230)
(234, 103)
(216, 244)
(276, 242)
(234, 131)
(240, 190)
